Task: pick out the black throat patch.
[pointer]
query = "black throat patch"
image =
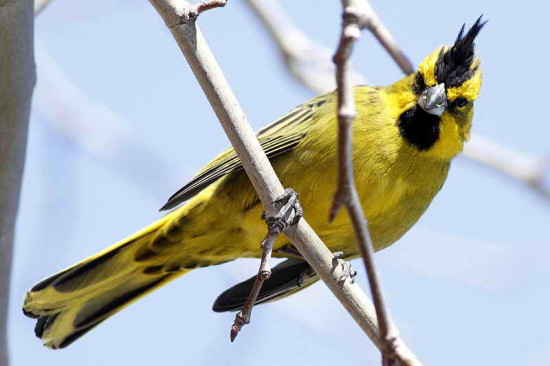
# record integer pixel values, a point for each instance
(419, 128)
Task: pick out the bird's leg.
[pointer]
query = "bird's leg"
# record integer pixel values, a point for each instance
(348, 272)
(289, 214)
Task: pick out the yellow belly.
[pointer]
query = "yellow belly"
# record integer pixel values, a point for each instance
(224, 221)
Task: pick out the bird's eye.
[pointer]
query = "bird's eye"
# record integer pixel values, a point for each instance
(461, 102)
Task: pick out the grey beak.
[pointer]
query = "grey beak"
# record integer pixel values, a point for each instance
(434, 100)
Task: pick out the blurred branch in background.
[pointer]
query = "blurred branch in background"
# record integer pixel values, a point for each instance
(310, 64)
(529, 170)
(224, 103)
(308, 61)
(97, 131)
(17, 80)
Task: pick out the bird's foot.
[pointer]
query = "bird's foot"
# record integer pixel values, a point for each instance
(290, 211)
(347, 271)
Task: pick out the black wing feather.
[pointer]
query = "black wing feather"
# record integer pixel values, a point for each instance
(286, 278)
(229, 164)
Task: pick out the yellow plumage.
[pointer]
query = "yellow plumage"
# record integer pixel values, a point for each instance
(401, 156)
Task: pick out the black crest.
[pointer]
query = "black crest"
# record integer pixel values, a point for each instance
(453, 66)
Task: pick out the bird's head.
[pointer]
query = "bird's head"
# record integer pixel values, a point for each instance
(445, 86)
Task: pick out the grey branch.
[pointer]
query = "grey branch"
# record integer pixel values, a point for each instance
(310, 64)
(17, 80)
(257, 166)
(356, 14)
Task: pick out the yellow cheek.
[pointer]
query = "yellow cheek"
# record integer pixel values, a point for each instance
(450, 140)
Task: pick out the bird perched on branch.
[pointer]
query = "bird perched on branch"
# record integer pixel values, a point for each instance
(404, 139)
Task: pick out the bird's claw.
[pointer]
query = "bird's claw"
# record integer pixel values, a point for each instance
(347, 271)
(289, 204)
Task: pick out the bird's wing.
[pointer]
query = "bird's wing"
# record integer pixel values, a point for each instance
(276, 138)
(286, 278)
(227, 163)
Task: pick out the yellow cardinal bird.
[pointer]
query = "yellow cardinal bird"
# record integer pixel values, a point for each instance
(404, 139)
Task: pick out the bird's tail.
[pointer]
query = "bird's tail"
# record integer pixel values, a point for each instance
(70, 303)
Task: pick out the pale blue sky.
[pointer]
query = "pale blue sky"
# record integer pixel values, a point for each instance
(467, 285)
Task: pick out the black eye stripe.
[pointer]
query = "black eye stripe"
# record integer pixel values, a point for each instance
(419, 83)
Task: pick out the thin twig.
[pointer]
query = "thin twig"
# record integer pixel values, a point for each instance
(290, 212)
(346, 192)
(259, 170)
(197, 9)
(243, 316)
(383, 35)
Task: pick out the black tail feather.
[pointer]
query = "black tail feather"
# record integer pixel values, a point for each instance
(286, 278)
